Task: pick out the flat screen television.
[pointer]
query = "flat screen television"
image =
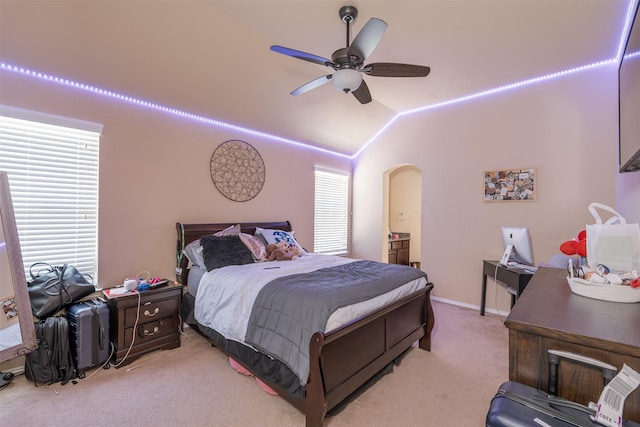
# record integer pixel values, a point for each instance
(520, 241)
(629, 99)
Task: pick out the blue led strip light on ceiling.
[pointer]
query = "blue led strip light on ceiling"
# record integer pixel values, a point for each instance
(151, 105)
(621, 45)
(218, 123)
(487, 93)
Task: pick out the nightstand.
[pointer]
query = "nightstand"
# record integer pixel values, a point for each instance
(158, 322)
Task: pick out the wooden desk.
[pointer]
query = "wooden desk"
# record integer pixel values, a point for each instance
(550, 316)
(515, 278)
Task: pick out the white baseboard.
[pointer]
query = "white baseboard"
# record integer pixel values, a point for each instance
(14, 368)
(471, 306)
(16, 371)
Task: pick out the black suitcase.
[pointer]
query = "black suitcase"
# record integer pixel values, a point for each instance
(519, 405)
(89, 334)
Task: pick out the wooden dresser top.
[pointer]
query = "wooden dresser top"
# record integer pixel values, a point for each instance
(547, 307)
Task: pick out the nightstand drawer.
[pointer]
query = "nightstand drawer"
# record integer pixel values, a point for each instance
(152, 330)
(151, 310)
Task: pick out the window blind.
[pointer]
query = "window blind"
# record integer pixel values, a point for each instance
(331, 213)
(53, 176)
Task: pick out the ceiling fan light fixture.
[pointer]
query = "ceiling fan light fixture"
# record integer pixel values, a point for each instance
(347, 80)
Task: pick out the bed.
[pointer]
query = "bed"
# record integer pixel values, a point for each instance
(341, 361)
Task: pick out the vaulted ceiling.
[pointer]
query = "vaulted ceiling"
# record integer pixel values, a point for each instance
(212, 58)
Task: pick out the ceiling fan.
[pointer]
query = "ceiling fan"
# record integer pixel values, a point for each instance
(348, 62)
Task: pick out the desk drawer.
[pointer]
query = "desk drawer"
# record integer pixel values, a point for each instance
(528, 364)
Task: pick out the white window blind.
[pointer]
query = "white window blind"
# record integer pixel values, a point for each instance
(53, 176)
(331, 217)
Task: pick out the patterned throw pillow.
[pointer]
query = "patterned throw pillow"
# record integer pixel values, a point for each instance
(272, 237)
(256, 246)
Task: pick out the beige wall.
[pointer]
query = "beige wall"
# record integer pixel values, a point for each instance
(565, 128)
(154, 172)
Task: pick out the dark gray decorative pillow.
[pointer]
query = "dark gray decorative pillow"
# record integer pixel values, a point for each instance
(220, 251)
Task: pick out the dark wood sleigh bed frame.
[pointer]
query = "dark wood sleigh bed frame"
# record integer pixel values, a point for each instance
(342, 360)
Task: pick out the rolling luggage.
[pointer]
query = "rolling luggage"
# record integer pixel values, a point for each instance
(519, 405)
(89, 334)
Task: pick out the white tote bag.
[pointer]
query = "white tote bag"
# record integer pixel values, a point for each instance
(613, 243)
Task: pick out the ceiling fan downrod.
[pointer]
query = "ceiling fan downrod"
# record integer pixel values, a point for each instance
(348, 14)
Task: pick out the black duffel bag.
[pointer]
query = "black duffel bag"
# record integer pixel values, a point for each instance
(52, 288)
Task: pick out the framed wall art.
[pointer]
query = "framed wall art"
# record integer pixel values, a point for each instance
(510, 185)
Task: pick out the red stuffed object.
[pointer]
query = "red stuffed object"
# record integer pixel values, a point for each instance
(576, 246)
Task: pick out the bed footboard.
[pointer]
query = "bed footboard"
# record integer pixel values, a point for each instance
(345, 359)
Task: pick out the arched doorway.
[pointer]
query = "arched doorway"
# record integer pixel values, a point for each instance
(403, 209)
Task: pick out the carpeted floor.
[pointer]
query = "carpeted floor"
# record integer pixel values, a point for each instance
(194, 385)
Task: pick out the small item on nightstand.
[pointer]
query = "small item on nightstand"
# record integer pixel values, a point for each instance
(130, 284)
(117, 292)
(157, 282)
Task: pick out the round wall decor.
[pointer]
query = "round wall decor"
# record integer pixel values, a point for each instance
(237, 170)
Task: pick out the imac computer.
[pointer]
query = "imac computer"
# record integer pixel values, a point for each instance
(517, 246)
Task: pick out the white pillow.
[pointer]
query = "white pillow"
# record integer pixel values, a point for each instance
(272, 237)
(193, 251)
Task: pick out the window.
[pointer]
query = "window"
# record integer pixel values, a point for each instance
(52, 164)
(331, 218)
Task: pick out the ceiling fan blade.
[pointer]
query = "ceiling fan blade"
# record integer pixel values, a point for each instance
(312, 85)
(390, 69)
(368, 38)
(303, 55)
(362, 94)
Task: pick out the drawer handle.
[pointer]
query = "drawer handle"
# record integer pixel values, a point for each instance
(156, 311)
(155, 331)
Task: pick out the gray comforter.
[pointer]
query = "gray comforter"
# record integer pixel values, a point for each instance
(290, 309)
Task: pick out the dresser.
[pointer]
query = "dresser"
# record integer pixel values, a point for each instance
(549, 316)
(150, 322)
(399, 249)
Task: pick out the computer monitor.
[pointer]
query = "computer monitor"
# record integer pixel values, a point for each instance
(517, 238)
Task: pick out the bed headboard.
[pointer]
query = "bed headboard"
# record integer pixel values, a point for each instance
(188, 233)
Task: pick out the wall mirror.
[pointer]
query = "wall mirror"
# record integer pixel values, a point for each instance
(17, 332)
